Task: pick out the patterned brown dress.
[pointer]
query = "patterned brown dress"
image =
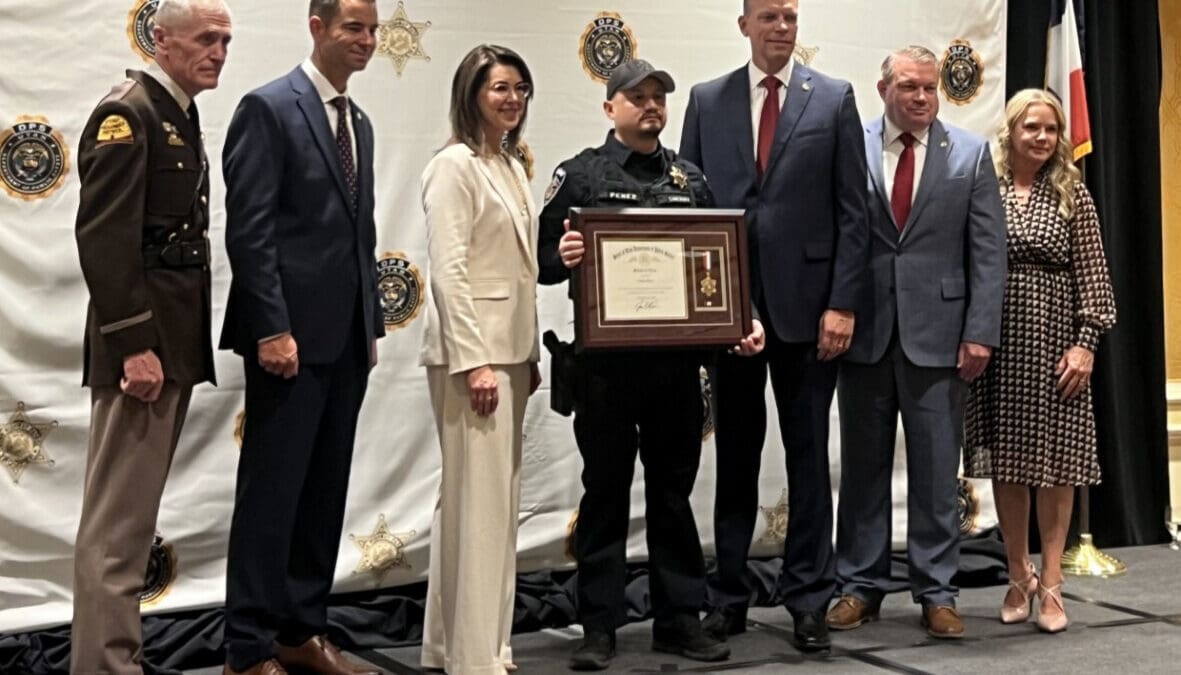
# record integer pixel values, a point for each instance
(1058, 294)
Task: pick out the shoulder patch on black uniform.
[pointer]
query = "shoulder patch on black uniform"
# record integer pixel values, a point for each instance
(115, 129)
(555, 185)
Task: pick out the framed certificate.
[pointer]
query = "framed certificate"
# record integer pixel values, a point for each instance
(661, 278)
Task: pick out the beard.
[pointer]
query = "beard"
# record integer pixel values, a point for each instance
(650, 128)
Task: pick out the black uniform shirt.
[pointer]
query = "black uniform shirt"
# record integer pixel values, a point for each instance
(576, 183)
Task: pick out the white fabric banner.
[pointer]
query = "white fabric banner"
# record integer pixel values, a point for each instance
(62, 56)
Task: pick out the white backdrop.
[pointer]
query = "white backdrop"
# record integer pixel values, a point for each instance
(62, 56)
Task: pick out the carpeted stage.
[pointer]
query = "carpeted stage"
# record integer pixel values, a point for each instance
(1128, 624)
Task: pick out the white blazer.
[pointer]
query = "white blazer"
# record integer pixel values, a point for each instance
(481, 305)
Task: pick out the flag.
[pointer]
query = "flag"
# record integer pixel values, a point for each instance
(1064, 74)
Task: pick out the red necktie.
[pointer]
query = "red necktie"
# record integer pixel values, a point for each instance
(767, 121)
(903, 182)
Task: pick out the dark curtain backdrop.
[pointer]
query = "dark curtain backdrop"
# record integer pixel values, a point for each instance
(1122, 64)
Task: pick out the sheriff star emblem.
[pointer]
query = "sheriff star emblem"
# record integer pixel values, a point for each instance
(401, 39)
(804, 55)
(776, 517)
(678, 176)
(381, 551)
(21, 443)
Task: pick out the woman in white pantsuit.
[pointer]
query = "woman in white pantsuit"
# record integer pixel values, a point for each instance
(480, 348)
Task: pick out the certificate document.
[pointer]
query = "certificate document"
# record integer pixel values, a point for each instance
(660, 279)
(643, 279)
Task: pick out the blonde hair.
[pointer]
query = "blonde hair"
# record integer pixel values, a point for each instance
(1060, 168)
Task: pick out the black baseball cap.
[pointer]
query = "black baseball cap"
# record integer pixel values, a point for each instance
(633, 72)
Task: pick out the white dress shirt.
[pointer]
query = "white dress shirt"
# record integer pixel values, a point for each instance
(892, 148)
(157, 73)
(758, 94)
(327, 92)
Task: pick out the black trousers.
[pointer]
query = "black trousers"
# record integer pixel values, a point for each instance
(803, 388)
(650, 403)
(293, 477)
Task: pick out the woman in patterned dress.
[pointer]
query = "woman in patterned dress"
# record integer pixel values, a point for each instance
(1029, 421)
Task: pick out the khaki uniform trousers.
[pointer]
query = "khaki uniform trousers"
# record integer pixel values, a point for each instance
(130, 452)
(473, 570)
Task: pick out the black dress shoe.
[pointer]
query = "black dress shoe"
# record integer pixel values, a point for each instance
(683, 636)
(595, 652)
(811, 632)
(722, 622)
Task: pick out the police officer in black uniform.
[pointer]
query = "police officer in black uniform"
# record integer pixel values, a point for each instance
(624, 401)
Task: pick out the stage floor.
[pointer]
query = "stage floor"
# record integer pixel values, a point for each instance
(1130, 624)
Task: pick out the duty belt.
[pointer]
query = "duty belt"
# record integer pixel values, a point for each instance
(177, 254)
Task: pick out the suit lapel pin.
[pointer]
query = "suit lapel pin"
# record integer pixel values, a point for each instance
(807, 86)
(943, 144)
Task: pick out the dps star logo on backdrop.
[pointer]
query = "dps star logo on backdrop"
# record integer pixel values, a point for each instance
(161, 574)
(571, 545)
(240, 428)
(34, 158)
(804, 54)
(776, 517)
(140, 22)
(606, 44)
(382, 550)
(401, 39)
(399, 287)
(961, 72)
(967, 504)
(22, 443)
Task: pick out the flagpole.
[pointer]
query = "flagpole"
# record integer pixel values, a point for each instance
(1085, 559)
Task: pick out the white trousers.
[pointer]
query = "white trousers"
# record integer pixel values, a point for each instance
(472, 579)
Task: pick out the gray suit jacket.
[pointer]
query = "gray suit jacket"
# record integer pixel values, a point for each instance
(942, 281)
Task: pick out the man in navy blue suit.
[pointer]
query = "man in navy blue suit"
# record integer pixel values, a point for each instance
(304, 314)
(783, 142)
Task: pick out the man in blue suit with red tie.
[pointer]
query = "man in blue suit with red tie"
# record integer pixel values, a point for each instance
(304, 314)
(783, 142)
(933, 316)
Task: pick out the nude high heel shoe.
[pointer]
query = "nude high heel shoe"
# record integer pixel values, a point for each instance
(1026, 588)
(1051, 597)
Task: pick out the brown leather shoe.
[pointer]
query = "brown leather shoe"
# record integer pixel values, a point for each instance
(320, 656)
(268, 667)
(849, 613)
(943, 622)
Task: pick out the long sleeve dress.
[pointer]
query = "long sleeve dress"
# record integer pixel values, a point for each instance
(1058, 294)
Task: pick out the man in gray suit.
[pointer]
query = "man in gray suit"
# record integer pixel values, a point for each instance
(783, 142)
(927, 329)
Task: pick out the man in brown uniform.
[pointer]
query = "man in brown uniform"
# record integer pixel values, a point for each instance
(142, 233)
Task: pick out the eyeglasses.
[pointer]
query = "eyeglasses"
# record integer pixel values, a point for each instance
(502, 89)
